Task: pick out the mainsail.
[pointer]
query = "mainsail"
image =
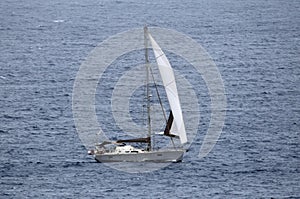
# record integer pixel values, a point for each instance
(168, 78)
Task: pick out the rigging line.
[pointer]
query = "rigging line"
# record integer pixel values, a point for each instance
(173, 143)
(159, 99)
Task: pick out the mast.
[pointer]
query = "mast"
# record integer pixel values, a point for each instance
(147, 87)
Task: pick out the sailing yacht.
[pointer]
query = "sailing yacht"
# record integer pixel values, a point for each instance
(121, 150)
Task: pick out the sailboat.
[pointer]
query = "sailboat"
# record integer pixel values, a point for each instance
(174, 128)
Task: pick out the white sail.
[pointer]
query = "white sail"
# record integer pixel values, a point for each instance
(168, 78)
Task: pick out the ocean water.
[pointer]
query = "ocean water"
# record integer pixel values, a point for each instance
(255, 45)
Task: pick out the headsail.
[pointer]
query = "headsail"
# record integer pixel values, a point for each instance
(168, 78)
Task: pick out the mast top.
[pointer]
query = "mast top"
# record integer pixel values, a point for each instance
(146, 28)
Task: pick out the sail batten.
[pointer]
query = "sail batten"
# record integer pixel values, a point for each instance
(168, 78)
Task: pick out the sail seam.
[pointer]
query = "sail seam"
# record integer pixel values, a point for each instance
(160, 55)
(170, 83)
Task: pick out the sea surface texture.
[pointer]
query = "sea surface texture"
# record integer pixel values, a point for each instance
(255, 45)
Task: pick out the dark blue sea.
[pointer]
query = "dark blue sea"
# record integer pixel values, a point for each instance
(255, 45)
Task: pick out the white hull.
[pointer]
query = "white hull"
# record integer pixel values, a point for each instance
(147, 156)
